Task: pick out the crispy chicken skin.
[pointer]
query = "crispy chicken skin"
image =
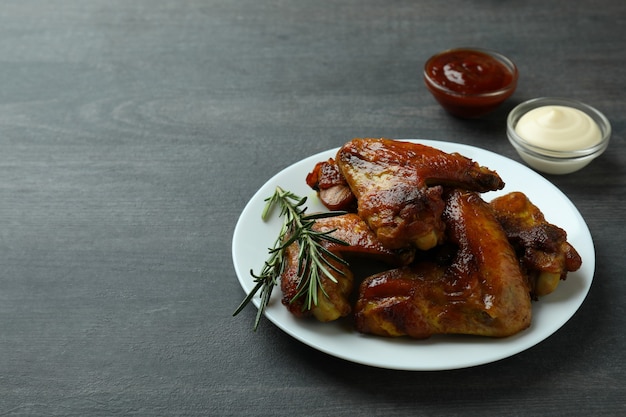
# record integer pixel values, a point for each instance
(544, 253)
(398, 187)
(481, 291)
(361, 241)
(331, 186)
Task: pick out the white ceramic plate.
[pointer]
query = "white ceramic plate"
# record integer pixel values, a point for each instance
(252, 237)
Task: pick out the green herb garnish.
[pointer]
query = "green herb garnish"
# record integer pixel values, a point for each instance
(314, 260)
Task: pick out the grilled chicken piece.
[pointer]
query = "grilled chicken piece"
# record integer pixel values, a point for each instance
(542, 248)
(331, 186)
(398, 187)
(480, 292)
(361, 242)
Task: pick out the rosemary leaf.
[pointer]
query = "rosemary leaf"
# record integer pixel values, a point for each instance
(314, 260)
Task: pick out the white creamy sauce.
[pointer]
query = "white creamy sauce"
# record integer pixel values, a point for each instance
(558, 128)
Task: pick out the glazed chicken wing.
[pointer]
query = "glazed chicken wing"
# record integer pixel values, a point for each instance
(398, 187)
(480, 291)
(545, 255)
(333, 298)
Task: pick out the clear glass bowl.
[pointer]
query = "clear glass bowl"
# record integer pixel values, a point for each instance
(550, 161)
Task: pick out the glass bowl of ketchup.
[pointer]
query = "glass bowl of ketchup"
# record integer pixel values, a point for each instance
(470, 82)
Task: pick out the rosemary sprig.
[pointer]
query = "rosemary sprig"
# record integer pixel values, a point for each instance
(314, 260)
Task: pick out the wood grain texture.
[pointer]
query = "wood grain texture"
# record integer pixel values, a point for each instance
(132, 134)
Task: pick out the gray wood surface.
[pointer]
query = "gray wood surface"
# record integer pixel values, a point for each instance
(133, 133)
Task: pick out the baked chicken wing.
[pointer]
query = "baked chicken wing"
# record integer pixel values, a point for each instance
(544, 253)
(333, 297)
(480, 291)
(398, 187)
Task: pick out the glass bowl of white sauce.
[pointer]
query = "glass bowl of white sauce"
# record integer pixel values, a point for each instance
(557, 135)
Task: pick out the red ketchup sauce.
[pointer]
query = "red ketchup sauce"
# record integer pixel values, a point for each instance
(469, 83)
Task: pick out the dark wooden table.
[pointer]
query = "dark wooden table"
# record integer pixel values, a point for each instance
(133, 133)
